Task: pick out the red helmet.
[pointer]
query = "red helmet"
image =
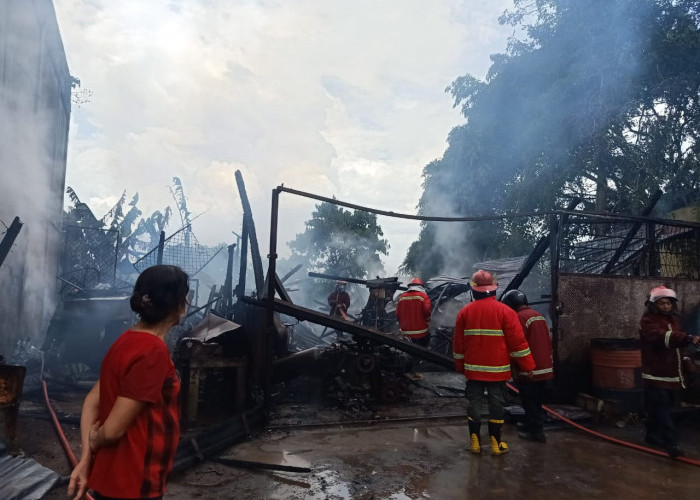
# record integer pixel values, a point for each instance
(416, 282)
(482, 281)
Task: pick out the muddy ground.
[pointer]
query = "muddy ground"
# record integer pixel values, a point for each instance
(410, 450)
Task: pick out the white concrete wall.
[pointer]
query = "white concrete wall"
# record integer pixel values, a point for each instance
(34, 121)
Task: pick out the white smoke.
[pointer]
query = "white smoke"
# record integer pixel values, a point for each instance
(34, 113)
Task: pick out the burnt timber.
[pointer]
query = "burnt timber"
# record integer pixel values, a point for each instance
(355, 330)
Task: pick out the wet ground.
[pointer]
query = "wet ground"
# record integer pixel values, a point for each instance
(411, 451)
(432, 462)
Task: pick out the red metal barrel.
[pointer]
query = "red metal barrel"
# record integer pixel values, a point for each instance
(617, 371)
(617, 363)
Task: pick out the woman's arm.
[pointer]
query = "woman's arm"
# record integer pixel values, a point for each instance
(662, 334)
(120, 418)
(88, 420)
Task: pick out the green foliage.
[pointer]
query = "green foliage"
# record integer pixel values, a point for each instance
(599, 101)
(341, 242)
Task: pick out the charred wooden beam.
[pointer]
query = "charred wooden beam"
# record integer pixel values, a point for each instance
(214, 440)
(227, 289)
(352, 280)
(279, 288)
(337, 278)
(290, 273)
(356, 330)
(9, 239)
(249, 464)
(252, 236)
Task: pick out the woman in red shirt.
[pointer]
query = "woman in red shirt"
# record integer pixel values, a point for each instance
(130, 419)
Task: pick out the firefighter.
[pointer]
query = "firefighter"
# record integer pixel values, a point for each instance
(487, 335)
(413, 313)
(339, 300)
(661, 338)
(532, 391)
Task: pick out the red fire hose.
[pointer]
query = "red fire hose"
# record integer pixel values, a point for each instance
(610, 438)
(59, 431)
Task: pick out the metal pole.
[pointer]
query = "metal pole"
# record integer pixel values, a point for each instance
(116, 257)
(161, 247)
(554, 239)
(227, 292)
(653, 264)
(238, 246)
(271, 274)
(9, 238)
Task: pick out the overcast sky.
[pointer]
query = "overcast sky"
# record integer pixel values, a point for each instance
(341, 98)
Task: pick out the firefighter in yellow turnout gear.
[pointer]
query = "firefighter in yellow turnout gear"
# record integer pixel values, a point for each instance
(487, 336)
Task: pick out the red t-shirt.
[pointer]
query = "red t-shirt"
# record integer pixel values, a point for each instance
(138, 366)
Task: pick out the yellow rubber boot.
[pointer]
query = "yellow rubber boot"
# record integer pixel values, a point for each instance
(498, 448)
(474, 439)
(474, 444)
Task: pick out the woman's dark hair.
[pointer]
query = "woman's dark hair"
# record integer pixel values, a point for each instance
(159, 291)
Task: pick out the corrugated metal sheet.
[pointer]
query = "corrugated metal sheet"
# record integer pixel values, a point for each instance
(23, 478)
(677, 248)
(504, 269)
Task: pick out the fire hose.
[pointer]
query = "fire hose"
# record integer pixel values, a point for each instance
(61, 436)
(622, 442)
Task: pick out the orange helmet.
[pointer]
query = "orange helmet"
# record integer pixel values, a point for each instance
(416, 282)
(482, 281)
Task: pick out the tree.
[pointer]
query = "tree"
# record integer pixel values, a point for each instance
(341, 242)
(599, 101)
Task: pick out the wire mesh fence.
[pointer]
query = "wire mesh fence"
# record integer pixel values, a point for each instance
(89, 256)
(180, 249)
(598, 245)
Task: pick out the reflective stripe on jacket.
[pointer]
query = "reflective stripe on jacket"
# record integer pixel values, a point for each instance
(661, 338)
(413, 313)
(487, 336)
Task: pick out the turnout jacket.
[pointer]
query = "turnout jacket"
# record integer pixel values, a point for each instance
(661, 339)
(338, 300)
(537, 336)
(413, 313)
(487, 335)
